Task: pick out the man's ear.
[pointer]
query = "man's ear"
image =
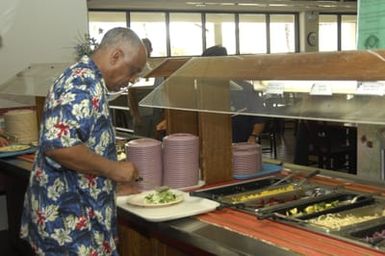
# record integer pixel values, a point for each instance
(116, 54)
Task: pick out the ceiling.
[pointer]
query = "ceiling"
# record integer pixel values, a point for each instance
(227, 5)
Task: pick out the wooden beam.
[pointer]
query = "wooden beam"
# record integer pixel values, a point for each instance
(345, 65)
(167, 67)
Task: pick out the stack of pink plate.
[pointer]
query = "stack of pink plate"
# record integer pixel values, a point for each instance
(180, 160)
(146, 154)
(247, 158)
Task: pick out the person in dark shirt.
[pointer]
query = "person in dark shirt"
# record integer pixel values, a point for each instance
(245, 128)
(147, 121)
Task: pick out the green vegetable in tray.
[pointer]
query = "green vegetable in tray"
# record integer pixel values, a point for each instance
(160, 197)
(318, 207)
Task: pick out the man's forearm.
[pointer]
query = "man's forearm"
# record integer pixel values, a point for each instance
(79, 158)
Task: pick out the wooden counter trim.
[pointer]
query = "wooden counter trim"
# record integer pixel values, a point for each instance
(284, 236)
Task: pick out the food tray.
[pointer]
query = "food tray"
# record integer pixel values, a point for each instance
(225, 190)
(370, 233)
(263, 195)
(376, 211)
(317, 206)
(226, 194)
(190, 206)
(299, 193)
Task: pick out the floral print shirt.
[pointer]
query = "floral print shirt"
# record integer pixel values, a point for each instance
(67, 212)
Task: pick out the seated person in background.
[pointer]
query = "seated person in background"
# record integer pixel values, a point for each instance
(146, 120)
(245, 128)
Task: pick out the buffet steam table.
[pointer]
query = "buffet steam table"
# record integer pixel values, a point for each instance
(220, 232)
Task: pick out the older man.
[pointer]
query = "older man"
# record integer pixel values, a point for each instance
(69, 206)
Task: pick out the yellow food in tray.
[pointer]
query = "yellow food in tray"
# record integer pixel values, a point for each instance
(13, 148)
(337, 220)
(314, 208)
(263, 193)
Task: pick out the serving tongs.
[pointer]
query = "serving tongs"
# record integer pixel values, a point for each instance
(246, 206)
(307, 177)
(276, 215)
(353, 200)
(254, 204)
(344, 202)
(290, 176)
(157, 188)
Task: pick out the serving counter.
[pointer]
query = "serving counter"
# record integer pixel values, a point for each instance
(221, 232)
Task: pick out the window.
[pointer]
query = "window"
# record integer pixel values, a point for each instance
(252, 33)
(220, 30)
(101, 22)
(186, 34)
(282, 33)
(348, 32)
(328, 33)
(151, 25)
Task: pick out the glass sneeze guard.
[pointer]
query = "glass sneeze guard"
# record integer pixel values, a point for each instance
(35, 80)
(225, 85)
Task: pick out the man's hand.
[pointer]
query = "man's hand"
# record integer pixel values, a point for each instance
(123, 172)
(162, 125)
(3, 142)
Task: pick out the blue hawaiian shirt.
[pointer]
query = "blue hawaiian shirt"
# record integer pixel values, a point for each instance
(67, 212)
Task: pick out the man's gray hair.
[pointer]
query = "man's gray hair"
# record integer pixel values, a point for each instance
(118, 35)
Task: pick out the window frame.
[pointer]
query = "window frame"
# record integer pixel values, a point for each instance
(236, 13)
(339, 25)
(203, 19)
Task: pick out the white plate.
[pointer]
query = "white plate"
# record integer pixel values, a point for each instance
(201, 183)
(138, 199)
(190, 206)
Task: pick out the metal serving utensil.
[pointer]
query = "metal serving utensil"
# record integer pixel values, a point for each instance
(156, 187)
(307, 177)
(289, 218)
(288, 177)
(277, 215)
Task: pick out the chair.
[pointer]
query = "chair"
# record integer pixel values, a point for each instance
(334, 146)
(269, 134)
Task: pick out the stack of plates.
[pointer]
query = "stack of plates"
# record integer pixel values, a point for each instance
(247, 158)
(180, 160)
(146, 154)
